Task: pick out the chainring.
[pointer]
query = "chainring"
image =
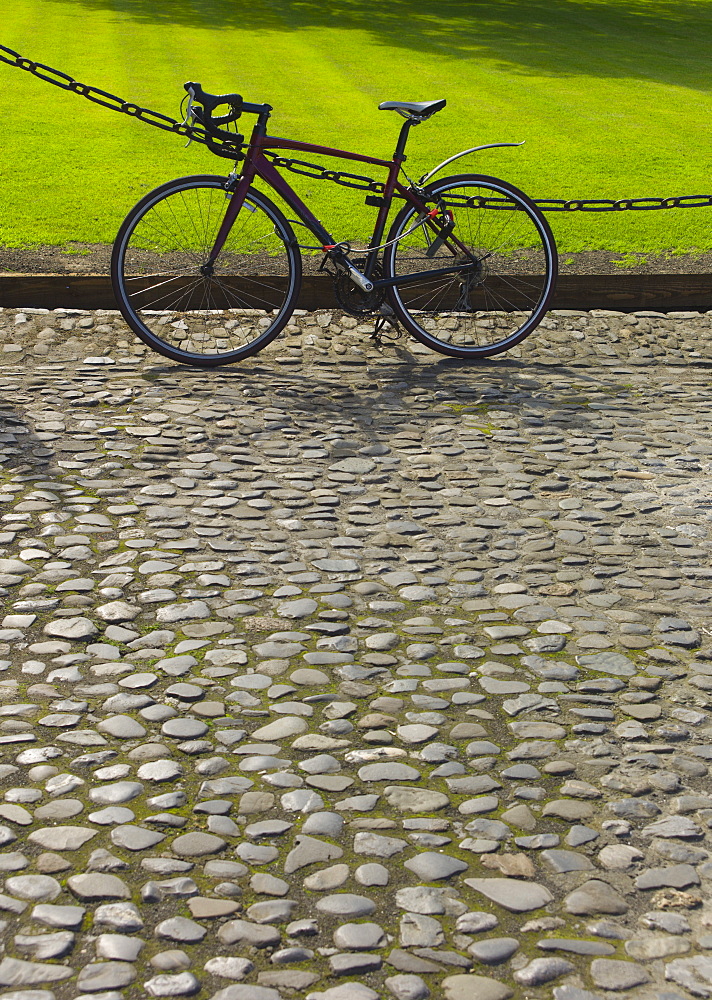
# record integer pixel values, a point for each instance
(353, 299)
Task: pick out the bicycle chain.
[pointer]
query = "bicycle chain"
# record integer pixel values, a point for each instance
(234, 151)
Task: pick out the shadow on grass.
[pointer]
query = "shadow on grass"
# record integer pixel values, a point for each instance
(660, 40)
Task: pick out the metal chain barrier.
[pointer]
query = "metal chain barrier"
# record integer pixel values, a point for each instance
(114, 103)
(319, 173)
(234, 151)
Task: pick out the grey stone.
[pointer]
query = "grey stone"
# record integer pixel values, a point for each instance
(693, 974)
(543, 970)
(513, 895)
(407, 987)
(378, 846)
(359, 937)
(575, 946)
(135, 838)
(180, 929)
(468, 987)
(431, 866)
(45, 946)
(251, 992)
(229, 967)
(574, 993)
(595, 896)
(420, 931)
(122, 727)
(76, 629)
(122, 917)
(309, 851)
(272, 911)
(37, 888)
(29, 995)
(388, 772)
(247, 933)
(116, 793)
(476, 921)
(69, 917)
(179, 985)
(372, 874)
(119, 947)
(346, 904)
(566, 861)
(329, 824)
(297, 609)
(493, 951)
(417, 800)
(327, 878)
(611, 974)
(89, 887)
(190, 611)
(195, 845)
(672, 826)
(17, 972)
(99, 976)
(677, 876)
(62, 838)
(608, 663)
(112, 816)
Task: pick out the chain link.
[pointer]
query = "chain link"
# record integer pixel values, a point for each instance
(623, 204)
(233, 150)
(318, 173)
(223, 147)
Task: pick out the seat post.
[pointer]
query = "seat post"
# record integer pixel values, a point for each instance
(403, 138)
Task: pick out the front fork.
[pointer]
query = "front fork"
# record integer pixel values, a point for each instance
(237, 200)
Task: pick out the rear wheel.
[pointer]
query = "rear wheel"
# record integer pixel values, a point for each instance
(185, 308)
(486, 282)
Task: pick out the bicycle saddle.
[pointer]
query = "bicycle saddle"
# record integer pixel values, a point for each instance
(413, 109)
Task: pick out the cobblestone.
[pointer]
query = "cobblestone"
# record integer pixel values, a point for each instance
(354, 673)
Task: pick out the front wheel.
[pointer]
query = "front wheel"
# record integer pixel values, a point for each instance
(183, 305)
(477, 275)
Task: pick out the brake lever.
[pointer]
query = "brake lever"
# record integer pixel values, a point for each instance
(189, 119)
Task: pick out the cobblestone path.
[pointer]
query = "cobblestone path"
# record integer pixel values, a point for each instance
(344, 675)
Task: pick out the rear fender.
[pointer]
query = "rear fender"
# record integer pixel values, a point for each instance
(465, 152)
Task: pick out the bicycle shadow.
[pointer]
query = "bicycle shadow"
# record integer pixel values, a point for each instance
(399, 390)
(21, 450)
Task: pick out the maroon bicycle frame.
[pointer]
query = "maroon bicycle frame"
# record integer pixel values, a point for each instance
(257, 165)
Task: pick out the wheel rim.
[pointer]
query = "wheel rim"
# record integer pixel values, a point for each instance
(506, 276)
(192, 306)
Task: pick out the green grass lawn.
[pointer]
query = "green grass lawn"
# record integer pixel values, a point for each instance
(612, 96)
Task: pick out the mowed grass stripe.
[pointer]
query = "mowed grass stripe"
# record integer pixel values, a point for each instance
(613, 99)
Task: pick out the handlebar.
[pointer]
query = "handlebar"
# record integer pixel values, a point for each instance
(208, 103)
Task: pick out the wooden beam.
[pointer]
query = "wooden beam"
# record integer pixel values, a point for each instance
(623, 292)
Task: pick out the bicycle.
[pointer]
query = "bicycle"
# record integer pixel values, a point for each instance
(207, 269)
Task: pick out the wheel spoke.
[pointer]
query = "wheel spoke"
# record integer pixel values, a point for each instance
(502, 297)
(184, 306)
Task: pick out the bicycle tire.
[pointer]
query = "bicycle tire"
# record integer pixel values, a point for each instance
(492, 306)
(186, 315)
